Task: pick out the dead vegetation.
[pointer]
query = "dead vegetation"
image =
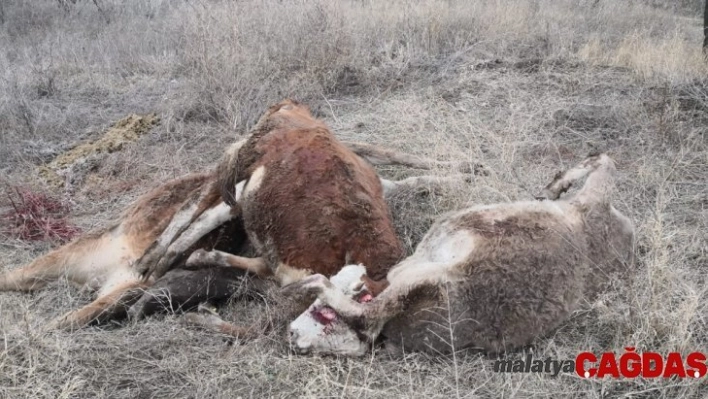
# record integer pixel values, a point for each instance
(527, 87)
(64, 166)
(35, 216)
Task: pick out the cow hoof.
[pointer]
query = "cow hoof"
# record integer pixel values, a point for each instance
(197, 259)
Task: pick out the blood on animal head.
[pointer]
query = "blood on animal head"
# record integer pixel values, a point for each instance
(364, 297)
(324, 315)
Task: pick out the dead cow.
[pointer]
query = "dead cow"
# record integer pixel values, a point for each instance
(104, 261)
(491, 277)
(171, 221)
(309, 203)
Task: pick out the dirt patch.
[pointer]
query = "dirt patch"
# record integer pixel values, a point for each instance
(126, 130)
(587, 117)
(531, 65)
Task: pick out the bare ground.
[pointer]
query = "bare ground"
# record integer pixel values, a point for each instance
(527, 88)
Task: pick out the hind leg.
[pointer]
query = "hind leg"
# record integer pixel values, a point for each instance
(210, 320)
(379, 156)
(391, 187)
(283, 274)
(600, 171)
(29, 278)
(110, 305)
(46, 268)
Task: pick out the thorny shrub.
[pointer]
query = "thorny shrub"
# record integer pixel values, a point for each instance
(35, 216)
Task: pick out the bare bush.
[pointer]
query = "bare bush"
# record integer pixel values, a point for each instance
(35, 216)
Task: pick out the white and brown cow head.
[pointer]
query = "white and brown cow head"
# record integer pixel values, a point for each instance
(320, 330)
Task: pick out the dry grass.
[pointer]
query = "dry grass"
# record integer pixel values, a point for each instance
(527, 86)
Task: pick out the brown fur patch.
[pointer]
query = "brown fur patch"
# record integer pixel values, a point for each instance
(318, 204)
(530, 224)
(145, 220)
(374, 287)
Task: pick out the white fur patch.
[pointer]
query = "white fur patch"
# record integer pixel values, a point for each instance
(285, 274)
(239, 190)
(254, 182)
(104, 267)
(207, 221)
(179, 220)
(318, 330)
(349, 276)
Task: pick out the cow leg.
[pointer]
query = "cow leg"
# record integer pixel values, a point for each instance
(180, 221)
(378, 156)
(205, 223)
(283, 274)
(391, 187)
(202, 258)
(183, 290)
(213, 322)
(600, 170)
(110, 305)
(37, 274)
(51, 266)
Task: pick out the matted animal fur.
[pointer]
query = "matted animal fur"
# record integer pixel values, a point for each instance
(491, 277)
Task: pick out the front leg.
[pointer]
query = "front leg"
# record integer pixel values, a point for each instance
(204, 259)
(207, 222)
(422, 183)
(112, 304)
(192, 208)
(180, 221)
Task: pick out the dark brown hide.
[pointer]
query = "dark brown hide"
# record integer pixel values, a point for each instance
(319, 206)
